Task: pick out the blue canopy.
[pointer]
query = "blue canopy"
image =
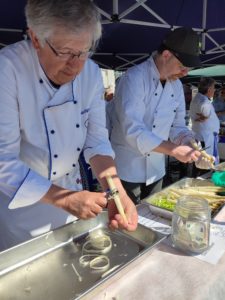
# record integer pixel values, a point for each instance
(132, 29)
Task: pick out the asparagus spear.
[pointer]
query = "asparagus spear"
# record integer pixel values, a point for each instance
(204, 154)
(116, 197)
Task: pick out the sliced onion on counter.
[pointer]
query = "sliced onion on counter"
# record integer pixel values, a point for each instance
(101, 244)
(100, 263)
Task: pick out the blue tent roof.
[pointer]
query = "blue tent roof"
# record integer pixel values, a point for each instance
(132, 29)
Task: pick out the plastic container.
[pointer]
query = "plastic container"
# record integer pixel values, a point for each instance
(191, 224)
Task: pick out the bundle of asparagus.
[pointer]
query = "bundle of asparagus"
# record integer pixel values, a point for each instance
(213, 194)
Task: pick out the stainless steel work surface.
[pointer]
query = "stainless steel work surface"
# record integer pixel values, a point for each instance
(48, 267)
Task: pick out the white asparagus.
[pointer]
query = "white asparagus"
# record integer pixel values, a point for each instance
(100, 263)
(192, 192)
(204, 154)
(206, 187)
(116, 196)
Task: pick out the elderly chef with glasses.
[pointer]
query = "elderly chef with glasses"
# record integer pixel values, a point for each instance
(52, 109)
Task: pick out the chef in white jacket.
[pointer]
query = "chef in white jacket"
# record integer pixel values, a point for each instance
(149, 109)
(204, 120)
(51, 109)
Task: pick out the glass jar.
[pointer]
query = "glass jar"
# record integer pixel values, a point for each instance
(191, 224)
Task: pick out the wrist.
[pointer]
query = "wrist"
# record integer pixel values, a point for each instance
(168, 148)
(57, 196)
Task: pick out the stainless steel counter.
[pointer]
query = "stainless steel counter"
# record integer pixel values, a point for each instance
(48, 267)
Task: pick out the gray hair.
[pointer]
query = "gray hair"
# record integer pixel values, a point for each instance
(43, 16)
(204, 84)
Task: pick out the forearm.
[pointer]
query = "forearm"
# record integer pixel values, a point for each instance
(183, 153)
(82, 204)
(56, 196)
(102, 166)
(166, 147)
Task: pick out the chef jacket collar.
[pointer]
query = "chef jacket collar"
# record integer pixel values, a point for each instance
(153, 66)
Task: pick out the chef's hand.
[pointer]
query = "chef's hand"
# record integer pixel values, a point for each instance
(205, 160)
(81, 204)
(86, 204)
(115, 219)
(185, 154)
(204, 163)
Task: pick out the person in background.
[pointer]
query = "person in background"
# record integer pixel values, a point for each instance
(51, 110)
(219, 104)
(205, 123)
(108, 96)
(188, 98)
(149, 109)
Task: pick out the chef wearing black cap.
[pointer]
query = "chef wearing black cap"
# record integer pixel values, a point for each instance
(149, 115)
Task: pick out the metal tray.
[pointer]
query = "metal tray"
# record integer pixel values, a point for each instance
(186, 182)
(48, 267)
(220, 166)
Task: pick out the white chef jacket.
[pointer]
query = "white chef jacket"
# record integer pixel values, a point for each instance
(204, 130)
(145, 114)
(42, 132)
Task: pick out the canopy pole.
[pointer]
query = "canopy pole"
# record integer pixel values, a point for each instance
(216, 48)
(11, 30)
(153, 13)
(204, 12)
(115, 7)
(213, 58)
(215, 42)
(132, 62)
(132, 8)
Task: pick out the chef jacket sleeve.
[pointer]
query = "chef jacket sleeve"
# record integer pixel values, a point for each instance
(131, 108)
(97, 141)
(22, 185)
(205, 108)
(179, 130)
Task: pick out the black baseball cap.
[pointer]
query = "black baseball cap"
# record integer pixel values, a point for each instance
(184, 44)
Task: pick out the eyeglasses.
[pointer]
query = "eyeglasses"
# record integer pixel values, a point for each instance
(69, 55)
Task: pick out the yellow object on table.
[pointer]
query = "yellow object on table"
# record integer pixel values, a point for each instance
(115, 196)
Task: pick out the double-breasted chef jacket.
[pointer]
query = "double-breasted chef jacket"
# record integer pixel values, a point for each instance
(42, 132)
(204, 131)
(145, 114)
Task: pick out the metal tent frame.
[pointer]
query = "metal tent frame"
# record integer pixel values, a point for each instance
(214, 52)
(132, 29)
